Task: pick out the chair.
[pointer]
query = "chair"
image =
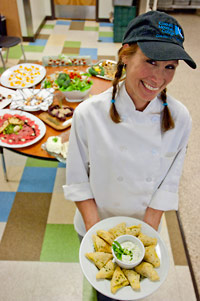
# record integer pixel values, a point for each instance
(7, 42)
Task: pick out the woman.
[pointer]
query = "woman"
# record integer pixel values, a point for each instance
(127, 145)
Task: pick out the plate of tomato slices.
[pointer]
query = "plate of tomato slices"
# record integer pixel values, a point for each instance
(19, 129)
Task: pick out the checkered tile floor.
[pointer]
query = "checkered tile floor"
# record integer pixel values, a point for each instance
(38, 245)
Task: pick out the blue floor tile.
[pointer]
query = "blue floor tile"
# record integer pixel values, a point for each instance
(6, 202)
(38, 42)
(106, 39)
(103, 24)
(62, 165)
(37, 179)
(62, 22)
(89, 51)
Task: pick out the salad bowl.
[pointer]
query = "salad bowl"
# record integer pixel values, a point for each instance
(75, 85)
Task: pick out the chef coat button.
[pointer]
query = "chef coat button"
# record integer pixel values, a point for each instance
(120, 179)
(149, 179)
(155, 118)
(154, 151)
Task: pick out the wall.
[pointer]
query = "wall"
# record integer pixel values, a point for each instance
(104, 8)
(31, 15)
(9, 9)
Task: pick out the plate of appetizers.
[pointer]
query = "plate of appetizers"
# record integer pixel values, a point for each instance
(96, 260)
(23, 76)
(105, 69)
(64, 60)
(19, 128)
(6, 96)
(32, 99)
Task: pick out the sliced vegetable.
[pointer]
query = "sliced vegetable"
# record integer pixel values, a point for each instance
(96, 70)
(119, 250)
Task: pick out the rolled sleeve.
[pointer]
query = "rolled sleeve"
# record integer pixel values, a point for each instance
(164, 200)
(77, 192)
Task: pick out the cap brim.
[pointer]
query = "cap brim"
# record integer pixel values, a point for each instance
(164, 51)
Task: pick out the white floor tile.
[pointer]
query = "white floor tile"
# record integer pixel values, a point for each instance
(2, 227)
(58, 282)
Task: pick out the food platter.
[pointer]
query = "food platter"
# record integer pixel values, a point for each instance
(64, 60)
(7, 96)
(36, 122)
(105, 69)
(32, 100)
(23, 76)
(102, 285)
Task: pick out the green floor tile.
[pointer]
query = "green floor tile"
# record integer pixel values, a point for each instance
(89, 293)
(32, 162)
(48, 26)
(1, 70)
(14, 52)
(87, 28)
(30, 48)
(106, 34)
(61, 244)
(72, 44)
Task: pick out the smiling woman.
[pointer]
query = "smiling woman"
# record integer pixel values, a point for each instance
(118, 160)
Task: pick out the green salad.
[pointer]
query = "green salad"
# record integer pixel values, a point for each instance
(71, 81)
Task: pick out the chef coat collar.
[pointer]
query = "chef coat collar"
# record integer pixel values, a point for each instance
(125, 105)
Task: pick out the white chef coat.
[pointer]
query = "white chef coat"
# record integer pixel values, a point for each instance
(128, 166)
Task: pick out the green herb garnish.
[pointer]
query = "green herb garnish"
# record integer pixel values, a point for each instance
(119, 250)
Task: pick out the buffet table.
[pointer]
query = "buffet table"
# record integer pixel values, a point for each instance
(35, 150)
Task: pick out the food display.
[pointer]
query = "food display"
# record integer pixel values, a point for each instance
(56, 148)
(23, 76)
(6, 96)
(68, 80)
(16, 129)
(64, 60)
(32, 99)
(19, 128)
(127, 251)
(106, 275)
(60, 112)
(105, 69)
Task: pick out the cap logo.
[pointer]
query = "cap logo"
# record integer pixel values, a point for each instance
(170, 31)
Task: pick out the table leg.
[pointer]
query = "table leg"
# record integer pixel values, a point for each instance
(3, 163)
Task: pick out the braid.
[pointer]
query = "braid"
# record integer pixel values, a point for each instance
(167, 120)
(120, 65)
(113, 111)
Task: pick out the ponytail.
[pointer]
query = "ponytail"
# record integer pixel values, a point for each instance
(167, 120)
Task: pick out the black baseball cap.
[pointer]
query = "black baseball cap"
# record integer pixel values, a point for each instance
(159, 36)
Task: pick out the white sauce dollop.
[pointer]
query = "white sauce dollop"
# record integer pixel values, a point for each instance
(135, 252)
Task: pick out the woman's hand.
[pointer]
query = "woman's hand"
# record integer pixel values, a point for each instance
(153, 217)
(89, 212)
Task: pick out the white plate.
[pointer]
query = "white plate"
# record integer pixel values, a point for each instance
(22, 67)
(39, 122)
(21, 95)
(103, 286)
(100, 64)
(5, 92)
